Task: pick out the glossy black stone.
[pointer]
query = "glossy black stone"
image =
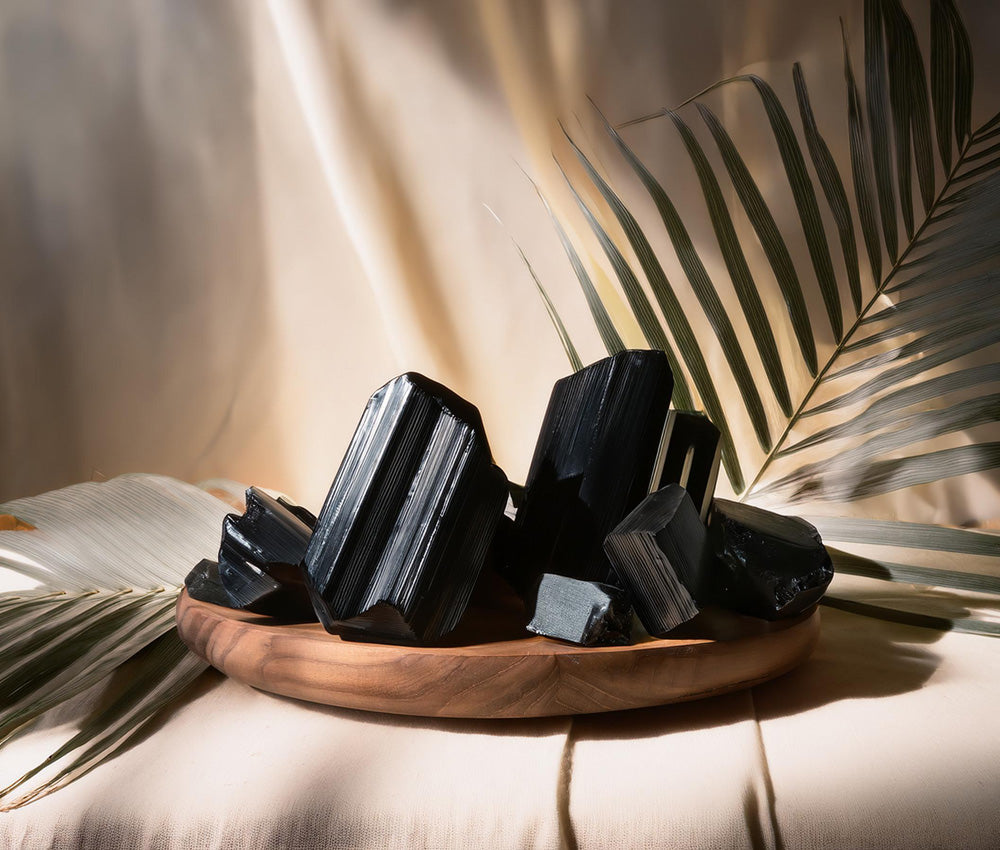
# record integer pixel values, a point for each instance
(660, 552)
(408, 521)
(203, 584)
(766, 565)
(597, 457)
(692, 458)
(260, 557)
(582, 612)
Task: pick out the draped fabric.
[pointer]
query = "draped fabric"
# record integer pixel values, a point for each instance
(885, 738)
(225, 224)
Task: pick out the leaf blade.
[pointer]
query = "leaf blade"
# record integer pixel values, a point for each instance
(832, 185)
(771, 240)
(657, 339)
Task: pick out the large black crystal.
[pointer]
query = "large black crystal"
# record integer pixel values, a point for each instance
(766, 565)
(583, 612)
(693, 453)
(596, 458)
(260, 557)
(408, 521)
(660, 552)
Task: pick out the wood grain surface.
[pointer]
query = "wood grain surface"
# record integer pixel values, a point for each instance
(495, 678)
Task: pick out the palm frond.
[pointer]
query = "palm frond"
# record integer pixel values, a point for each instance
(110, 558)
(930, 327)
(157, 677)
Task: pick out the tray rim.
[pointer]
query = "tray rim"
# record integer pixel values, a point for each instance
(568, 679)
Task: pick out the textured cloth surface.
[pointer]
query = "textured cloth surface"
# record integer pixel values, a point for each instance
(886, 737)
(226, 224)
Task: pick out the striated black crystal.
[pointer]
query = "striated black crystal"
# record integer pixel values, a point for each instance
(596, 458)
(260, 557)
(203, 584)
(766, 565)
(584, 612)
(693, 453)
(660, 552)
(408, 521)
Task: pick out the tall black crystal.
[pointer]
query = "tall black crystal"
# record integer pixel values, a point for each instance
(693, 453)
(766, 565)
(596, 458)
(661, 554)
(260, 557)
(582, 612)
(408, 521)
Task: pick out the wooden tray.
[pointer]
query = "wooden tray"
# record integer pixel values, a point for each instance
(489, 670)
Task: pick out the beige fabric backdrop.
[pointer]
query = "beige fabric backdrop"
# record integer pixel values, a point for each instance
(222, 225)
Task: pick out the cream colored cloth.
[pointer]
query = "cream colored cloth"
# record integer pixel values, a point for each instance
(225, 224)
(887, 737)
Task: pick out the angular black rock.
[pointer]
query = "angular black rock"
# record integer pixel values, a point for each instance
(203, 584)
(692, 456)
(597, 457)
(660, 552)
(408, 521)
(582, 612)
(260, 557)
(766, 565)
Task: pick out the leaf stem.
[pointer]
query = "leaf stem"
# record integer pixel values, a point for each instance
(879, 290)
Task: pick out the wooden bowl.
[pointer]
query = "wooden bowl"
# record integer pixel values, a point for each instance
(489, 669)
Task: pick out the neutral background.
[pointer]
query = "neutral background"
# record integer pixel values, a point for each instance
(224, 224)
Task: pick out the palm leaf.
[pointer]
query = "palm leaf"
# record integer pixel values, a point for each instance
(157, 677)
(669, 303)
(110, 558)
(605, 327)
(882, 397)
(861, 168)
(770, 237)
(833, 186)
(550, 308)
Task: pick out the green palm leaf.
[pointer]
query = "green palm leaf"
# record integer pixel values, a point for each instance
(886, 393)
(672, 311)
(110, 559)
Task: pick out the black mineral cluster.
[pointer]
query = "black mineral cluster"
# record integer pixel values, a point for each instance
(259, 566)
(409, 519)
(766, 565)
(597, 456)
(617, 520)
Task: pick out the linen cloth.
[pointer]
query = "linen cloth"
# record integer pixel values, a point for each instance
(225, 224)
(886, 737)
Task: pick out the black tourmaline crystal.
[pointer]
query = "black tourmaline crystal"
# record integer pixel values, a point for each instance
(203, 584)
(596, 458)
(583, 612)
(692, 457)
(405, 529)
(260, 558)
(660, 552)
(766, 565)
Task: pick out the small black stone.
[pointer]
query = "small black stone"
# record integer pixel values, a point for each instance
(766, 565)
(693, 454)
(203, 584)
(583, 612)
(596, 458)
(659, 551)
(408, 521)
(260, 557)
